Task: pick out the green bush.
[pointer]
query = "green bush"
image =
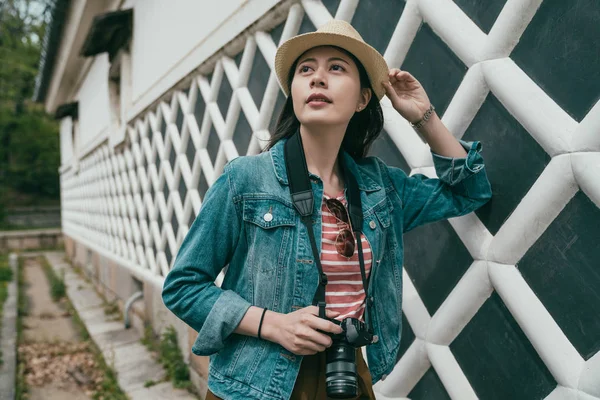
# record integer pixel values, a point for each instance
(30, 162)
(29, 140)
(6, 274)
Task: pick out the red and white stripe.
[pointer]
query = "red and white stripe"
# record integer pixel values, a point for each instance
(345, 293)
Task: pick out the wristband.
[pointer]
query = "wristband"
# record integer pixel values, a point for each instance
(261, 322)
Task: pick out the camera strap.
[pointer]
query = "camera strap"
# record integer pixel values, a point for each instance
(303, 200)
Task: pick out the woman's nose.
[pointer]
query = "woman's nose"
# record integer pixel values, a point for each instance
(318, 79)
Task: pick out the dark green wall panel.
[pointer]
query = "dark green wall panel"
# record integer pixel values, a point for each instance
(559, 51)
(498, 359)
(563, 268)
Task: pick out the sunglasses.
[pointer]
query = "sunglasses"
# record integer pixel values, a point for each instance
(344, 242)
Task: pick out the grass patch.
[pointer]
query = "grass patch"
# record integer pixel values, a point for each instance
(109, 388)
(3, 297)
(81, 329)
(23, 301)
(171, 358)
(111, 308)
(149, 339)
(21, 388)
(6, 275)
(149, 383)
(169, 355)
(57, 284)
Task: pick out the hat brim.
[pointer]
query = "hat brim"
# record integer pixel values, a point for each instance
(371, 59)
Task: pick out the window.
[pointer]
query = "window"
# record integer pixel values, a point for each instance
(111, 33)
(119, 84)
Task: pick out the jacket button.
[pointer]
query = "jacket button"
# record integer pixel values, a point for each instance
(375, 338)
(372, 224)
(268, 217)
(383, 377)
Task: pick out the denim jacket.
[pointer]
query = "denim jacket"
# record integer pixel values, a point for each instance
(270, 263)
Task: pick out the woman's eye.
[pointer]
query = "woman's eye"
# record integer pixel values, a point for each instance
(337, 67)
(304, 68)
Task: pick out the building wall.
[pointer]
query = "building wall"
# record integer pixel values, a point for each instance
(165, 32)
(66, 140)
(498, 304)
(169, 40)
(94, 104)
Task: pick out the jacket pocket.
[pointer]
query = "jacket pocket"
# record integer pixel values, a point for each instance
(268, 213)
(383, 215)
(269, 226)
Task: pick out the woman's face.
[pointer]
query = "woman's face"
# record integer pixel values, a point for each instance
(326, 87)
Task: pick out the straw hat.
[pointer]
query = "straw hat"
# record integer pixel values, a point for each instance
(334, 33)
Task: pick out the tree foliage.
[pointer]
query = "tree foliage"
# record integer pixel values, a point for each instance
(29, 140)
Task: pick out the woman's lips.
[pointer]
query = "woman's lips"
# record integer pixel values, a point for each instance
(318, 97)
(318, 103)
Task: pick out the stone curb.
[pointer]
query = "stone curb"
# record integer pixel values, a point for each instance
(8, 336)
(121, 348)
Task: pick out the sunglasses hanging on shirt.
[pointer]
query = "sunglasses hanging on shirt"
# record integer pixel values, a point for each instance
(303, 200)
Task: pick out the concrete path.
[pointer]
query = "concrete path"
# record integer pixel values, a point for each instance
(8, 337)
(120, 347)
(47, 323)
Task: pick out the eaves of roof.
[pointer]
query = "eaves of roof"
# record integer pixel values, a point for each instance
(50, 45)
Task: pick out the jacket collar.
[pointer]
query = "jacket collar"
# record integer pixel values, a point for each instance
(365, 183)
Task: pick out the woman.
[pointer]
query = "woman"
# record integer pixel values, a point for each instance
(265, 339)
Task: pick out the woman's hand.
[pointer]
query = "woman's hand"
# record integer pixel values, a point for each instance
(407, 95)
(297, 331)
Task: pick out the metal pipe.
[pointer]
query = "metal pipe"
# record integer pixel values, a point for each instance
(128, 304)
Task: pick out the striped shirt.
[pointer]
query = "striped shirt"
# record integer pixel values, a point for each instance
(344, 293)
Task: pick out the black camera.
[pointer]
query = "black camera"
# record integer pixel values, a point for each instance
(340, 371)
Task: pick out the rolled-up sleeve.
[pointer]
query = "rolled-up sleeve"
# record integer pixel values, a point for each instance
(462, 186)
(453, 170)
(189, 290)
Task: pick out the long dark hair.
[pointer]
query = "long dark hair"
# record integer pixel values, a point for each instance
(362, 130)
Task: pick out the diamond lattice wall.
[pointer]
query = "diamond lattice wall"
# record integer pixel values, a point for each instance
(505, 304)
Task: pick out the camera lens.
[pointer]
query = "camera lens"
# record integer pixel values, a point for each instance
(340, 371)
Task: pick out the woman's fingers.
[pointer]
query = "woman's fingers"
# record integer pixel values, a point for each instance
(390, 91)
(319, 338)
(323, 325)
(314, 310)
(393, 72)
(402, 80)
(307, 347)
(307, 330)
(396, 75)
(314, 322)
(390, 86)
(307, 337)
